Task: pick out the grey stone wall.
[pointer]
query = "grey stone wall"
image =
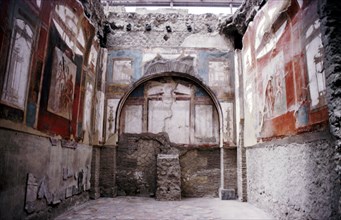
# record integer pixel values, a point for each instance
(41, 177)
(295, 177)
(330, 15)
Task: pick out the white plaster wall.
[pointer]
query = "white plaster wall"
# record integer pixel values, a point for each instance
(203, 121)
(173, 119)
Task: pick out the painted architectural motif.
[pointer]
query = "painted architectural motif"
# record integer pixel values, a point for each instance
(314, 55)
(17, 75)
(111, 116)
(87, 112)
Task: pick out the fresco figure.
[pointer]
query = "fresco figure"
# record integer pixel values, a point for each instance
(269, 97)
(66, 96)
(62, 86)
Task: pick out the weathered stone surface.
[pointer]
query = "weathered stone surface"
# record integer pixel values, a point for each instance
(31, 193)
(228, 194)
(136, 166)
(161, 65)
(230, 172)
(168, 177)
(43, 190)
(68, 192)
(200, 172)
(133, 33)
(22, 154)
(330, 15)
(235, 26)
(107, 172)
(294, 178)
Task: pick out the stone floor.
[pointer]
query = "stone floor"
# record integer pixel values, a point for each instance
(149, 208)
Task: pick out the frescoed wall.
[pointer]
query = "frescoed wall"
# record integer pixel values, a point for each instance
(61, 92)
(48, 71)
(283, 75)
(177, 84)
(288, 147)
(213, 67)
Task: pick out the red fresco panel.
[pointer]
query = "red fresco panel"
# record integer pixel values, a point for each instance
(290, 85)
(42, 42)
(291, 44)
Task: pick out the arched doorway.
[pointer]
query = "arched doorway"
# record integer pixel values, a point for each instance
(171, 112)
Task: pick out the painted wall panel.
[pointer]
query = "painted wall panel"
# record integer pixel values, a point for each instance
(284, 79)
(133, 119)
(203, 121)
(111, 116)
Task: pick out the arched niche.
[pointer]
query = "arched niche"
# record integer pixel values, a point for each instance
(193, 116)
(160, 102)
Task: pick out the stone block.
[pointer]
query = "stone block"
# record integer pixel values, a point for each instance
(68, 192)
(227, 194)
(168, 177)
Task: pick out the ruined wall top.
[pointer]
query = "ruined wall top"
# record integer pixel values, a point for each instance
(235, 26)
(159, 29)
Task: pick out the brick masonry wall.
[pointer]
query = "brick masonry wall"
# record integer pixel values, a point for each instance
(200, 172)
(107, 177)
(330, 15)
(95, 172)
(294, 178)
(136, 166)
(230, 169)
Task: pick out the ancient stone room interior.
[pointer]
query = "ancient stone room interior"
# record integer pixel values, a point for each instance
(170, 109)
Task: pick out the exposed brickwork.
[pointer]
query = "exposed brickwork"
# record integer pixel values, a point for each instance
(230, 170)
(95, 171)
(200, 172)
(107, 171)
(136, 166)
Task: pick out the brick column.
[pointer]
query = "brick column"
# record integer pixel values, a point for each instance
(95, 170)
(107, 177)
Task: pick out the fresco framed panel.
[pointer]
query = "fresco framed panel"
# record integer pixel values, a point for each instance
(89, 93)
(17, 75)
(62, 86)
(122, 71)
